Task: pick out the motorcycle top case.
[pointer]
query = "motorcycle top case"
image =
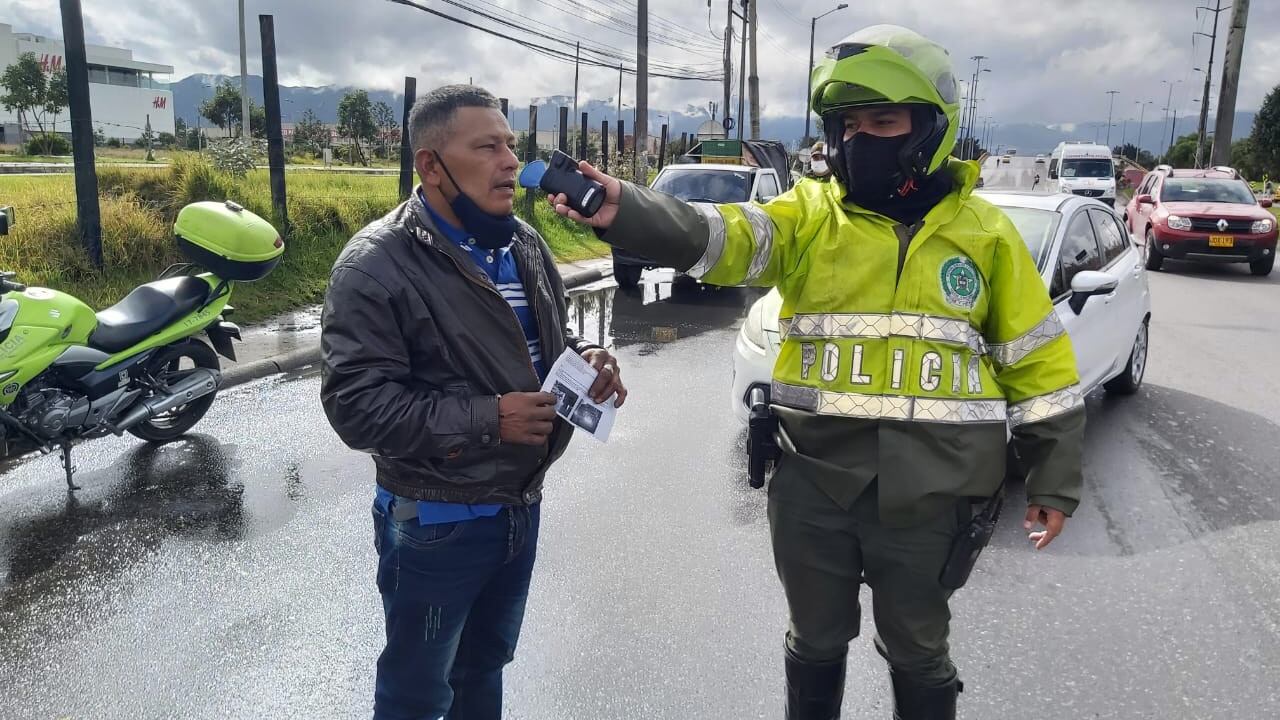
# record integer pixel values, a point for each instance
(228, 240)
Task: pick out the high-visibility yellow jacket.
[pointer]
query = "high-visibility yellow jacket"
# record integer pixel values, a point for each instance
(946, 326)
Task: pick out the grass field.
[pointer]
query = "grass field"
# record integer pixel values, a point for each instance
(139, 205)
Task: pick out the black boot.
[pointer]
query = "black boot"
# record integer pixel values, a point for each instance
(814, 690)
(915, 702)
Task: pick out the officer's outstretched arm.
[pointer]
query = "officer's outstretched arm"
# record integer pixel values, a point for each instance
(1036, 368)
(733, 244)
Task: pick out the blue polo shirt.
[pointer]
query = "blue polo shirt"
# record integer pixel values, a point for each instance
(500, 266)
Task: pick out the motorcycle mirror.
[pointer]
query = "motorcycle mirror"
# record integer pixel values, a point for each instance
(532, 174)
(6, 219)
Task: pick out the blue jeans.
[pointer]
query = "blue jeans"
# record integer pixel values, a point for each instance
(453, 595)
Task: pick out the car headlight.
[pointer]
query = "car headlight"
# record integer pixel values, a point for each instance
(753, 328)
(1177, 222)
(1262, 226)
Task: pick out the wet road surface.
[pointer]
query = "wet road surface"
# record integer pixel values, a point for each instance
(231, 574)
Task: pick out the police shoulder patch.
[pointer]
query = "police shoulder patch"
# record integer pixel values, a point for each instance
(960, 283)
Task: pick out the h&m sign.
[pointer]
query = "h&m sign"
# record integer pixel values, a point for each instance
(50, 63)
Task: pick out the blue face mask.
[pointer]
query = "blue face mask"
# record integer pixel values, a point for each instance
(490, 231)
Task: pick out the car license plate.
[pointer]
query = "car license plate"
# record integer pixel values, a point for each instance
(1222, 241)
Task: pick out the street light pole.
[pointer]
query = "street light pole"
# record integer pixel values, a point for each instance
(813, 28)
(1141, 116)
(1110, 107)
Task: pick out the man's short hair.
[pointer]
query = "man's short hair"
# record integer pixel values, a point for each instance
(432, 115)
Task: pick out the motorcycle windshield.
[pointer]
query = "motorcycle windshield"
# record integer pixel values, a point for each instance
(8, 311)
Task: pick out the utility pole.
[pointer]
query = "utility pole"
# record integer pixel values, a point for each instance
(577, 59)
(973, 102)
(406, 142)
(274, 132)
(1221, 153)
(1110, 107)
(1208, 77)
(755, 77)
(728, 61)
(1141, 117)
(1168, 106)
(88, 217)
(642, 93)
(244, 80)
(619, 98)
(742, 75)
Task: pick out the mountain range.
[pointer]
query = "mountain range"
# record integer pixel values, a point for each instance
(189, 92)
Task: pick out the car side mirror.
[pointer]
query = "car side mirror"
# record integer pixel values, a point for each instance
(1265, 202)
(1145, 199)
(1090, 283)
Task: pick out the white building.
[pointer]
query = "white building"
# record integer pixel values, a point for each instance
(123, 92)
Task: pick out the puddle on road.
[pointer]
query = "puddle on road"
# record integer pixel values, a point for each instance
(665, 308)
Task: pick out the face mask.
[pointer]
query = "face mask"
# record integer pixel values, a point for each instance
(872, 168)
(490, 231)
(819, 167)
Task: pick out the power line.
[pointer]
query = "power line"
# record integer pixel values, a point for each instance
(629, 10)
(787, 12)
(602, 51)
(552, 53)
(622, 27)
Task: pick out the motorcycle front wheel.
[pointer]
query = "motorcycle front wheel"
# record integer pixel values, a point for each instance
(171, 364)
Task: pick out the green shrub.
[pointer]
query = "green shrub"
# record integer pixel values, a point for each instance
(47, 144)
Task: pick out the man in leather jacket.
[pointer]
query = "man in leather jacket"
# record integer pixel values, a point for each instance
(440, 323)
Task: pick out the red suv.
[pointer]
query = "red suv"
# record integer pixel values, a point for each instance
(1206, 215)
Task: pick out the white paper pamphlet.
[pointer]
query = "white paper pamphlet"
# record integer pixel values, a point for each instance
(569, 380)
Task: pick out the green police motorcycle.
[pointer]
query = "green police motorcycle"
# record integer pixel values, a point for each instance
(140, 366)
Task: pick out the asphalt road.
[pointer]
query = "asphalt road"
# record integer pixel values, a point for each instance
(231, 575)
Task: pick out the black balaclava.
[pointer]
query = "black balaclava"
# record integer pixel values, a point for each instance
(490, 231)
(889, 175)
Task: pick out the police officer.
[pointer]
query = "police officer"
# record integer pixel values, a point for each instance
(918, 332)
(819, 168)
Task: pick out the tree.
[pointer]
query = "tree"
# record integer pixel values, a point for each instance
(1266, 135)
(356, 121)
(1131, 151)
(310, 134)
(388, 127)
(1244, 159)
(1183, 152)
(257, 120)
(223, 109)
(57, 96)
(27, 93)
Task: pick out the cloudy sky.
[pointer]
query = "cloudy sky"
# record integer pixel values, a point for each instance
(1051, 61)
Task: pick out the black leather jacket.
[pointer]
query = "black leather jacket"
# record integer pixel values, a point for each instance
(416, 346)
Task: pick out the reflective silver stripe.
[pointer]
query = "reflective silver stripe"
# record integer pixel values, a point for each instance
(762, 230)
(715, 239)
(872, 325)
(1049, 329)
(1044, 407)
(889, 407)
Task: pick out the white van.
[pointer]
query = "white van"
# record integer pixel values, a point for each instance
(1083, 168)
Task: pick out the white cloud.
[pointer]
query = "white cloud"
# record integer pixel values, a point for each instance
(1051, 61)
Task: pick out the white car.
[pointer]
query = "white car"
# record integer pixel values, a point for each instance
(1095, 273)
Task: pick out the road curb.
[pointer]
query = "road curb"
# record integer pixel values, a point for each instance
(309, 356)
